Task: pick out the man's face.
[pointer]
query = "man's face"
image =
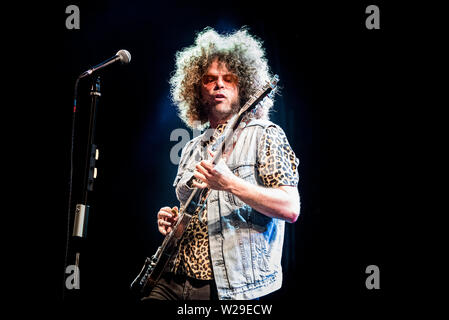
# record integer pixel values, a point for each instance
(219, 91)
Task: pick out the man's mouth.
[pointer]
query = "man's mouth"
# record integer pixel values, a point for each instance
(220, 96)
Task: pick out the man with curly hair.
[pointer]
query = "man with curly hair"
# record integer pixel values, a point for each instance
(233, 249)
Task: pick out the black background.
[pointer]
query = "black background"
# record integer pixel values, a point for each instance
(341, 107)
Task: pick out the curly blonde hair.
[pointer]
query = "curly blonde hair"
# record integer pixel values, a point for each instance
(242, 54)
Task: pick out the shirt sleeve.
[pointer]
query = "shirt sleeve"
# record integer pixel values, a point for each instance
(277, 163)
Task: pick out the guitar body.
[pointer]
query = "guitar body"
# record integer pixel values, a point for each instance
(154, 266)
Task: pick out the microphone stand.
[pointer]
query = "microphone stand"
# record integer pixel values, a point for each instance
(90, 173)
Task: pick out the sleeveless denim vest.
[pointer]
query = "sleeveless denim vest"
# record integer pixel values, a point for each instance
(245, 245)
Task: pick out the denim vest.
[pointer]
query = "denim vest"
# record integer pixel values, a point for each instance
(245, 245)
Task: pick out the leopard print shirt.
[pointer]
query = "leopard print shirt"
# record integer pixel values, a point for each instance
(277, 163)
(277, 166)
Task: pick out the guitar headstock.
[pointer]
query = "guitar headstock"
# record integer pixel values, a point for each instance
(268, 90)
(273, 85)
(274, 81)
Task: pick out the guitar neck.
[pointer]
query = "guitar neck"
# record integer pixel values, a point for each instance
(234, 123)
(237, 119)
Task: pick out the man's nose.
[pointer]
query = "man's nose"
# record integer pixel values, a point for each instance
(219, 83)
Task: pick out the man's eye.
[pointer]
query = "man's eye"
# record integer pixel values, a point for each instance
(208, 79)
(230, 78)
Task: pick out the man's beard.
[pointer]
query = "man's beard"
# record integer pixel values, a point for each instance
(235, 107)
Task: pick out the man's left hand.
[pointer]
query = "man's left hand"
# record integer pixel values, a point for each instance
(218, 177)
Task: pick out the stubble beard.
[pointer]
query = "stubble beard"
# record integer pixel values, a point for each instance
(216, 113)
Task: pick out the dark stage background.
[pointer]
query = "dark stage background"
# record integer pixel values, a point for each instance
(136, 119)
(335, 75)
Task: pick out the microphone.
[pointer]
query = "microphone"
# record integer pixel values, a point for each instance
(123, 55)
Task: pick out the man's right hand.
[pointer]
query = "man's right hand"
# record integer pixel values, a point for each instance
(166, 218)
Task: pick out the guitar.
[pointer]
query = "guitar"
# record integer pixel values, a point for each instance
(153, 267)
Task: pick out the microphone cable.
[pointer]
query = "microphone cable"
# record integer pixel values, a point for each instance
(72, 143)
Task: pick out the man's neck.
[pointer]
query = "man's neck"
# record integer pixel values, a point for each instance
(215, 122)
